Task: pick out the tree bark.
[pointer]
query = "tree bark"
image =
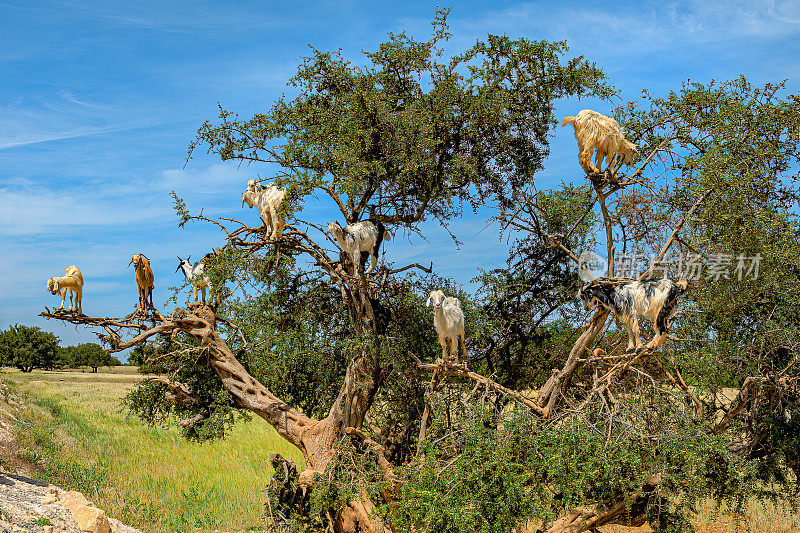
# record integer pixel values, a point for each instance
(316, 439)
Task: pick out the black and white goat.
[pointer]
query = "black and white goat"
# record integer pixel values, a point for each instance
(360, 240)
(195, 274)
(628, 300)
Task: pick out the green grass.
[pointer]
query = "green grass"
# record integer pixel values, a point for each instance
(147, 477)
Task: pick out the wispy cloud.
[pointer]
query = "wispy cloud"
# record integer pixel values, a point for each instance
(61, 116)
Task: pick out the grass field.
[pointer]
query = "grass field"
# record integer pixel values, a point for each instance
(77, 434)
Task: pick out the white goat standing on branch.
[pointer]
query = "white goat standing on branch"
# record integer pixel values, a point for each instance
(267, 200)
(596, 131)
(360, 240)
(448, 319)
(72, 281)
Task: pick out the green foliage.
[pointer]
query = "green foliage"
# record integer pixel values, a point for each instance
(26, 348)
(527, 303)
(87, 354)
(475, 475)
(408, 136)
(145, 357)
(742, 143)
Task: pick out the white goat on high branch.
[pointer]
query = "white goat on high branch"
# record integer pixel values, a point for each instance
(195, 274)
(267, 200)
(72, 281)
(361, 240)
(596, 131)
(448, 319)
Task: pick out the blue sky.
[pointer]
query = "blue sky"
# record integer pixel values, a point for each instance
(99, 100)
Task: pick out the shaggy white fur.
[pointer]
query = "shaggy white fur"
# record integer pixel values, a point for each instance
(594, 131)
(267, 200)
(448, 319)
(195, 274)
(72, 281)
(654, 299)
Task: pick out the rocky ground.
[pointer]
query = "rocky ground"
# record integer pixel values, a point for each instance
(30, 505)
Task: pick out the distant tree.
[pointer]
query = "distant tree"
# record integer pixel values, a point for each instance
(89, 354)
(26, 348)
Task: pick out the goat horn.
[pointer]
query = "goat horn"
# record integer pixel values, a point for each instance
(129, 263)
(145, 257)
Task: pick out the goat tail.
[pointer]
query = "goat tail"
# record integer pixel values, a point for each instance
(568, 120)
(381, 235)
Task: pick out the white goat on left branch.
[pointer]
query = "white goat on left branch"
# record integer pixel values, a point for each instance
(195, 274)
(72, 281)
(268, 201)
(448, 319)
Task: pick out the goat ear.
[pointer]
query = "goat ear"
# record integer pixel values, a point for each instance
(428, 303)
(55, 285)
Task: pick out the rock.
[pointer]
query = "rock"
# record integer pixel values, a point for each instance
(72, 499)
(91, 519)
(48, 529)
(50, 498)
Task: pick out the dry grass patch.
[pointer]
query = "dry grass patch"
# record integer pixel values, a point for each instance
(151, 477)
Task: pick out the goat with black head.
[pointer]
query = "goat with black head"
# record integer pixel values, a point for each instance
(628, 300)
(195, 274)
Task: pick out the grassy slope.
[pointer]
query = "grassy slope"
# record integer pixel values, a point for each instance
(147, 477)
(151, 478)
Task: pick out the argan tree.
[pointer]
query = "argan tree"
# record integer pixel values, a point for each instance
(342, 362)
(409, 137)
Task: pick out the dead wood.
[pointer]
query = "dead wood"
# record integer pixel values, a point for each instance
(628, 511)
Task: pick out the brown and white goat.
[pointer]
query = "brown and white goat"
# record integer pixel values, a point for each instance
(144, 281)
(72, 281)
(595, 131)
(628, 300)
